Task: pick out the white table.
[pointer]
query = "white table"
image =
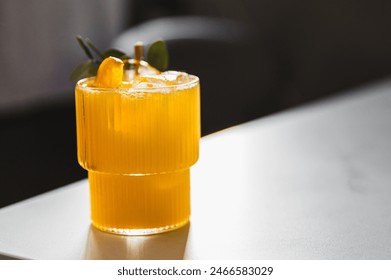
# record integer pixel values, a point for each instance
(309, 183)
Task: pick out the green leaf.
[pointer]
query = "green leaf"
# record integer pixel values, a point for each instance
(125, 57)
(84, 70)
(80, 40)
(157, 55)
(92, 47)
(113, 52)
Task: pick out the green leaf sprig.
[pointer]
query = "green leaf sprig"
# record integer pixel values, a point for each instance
(157, 56)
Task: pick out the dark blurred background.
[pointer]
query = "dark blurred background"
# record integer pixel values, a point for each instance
(254, 58)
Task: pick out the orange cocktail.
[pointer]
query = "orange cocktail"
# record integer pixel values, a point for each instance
(138, 141)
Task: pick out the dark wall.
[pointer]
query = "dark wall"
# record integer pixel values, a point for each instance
(318, 47)
(38, 151)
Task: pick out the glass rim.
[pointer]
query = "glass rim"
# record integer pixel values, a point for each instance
(82, 83)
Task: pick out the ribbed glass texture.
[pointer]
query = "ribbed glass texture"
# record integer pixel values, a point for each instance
(139, 204)
(138, 147)
(136, 133)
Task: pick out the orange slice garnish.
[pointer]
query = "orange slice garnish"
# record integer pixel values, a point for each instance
(110, 73)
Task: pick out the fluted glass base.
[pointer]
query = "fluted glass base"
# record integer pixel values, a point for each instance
(139, 204)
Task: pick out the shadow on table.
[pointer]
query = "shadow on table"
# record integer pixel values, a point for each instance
(165, 246)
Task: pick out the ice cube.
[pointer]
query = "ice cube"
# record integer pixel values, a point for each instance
(149, 82)
(176, 77)
(143, 69)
